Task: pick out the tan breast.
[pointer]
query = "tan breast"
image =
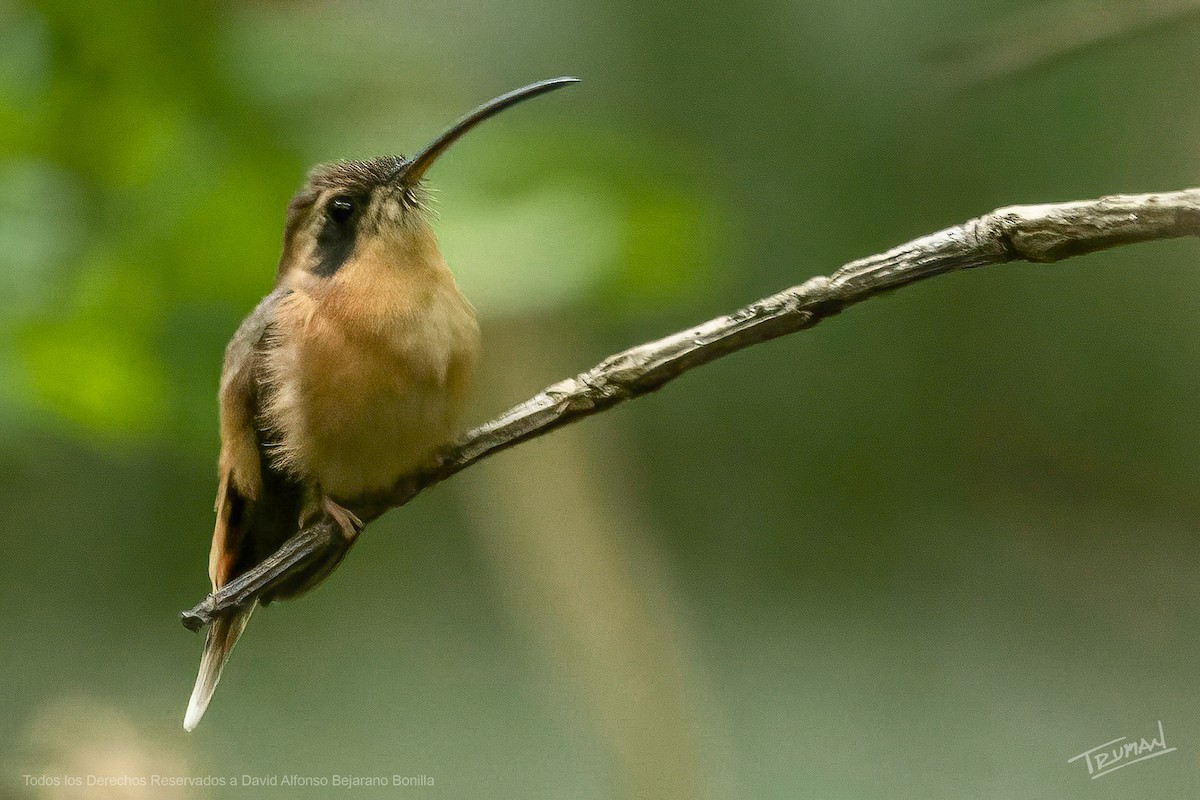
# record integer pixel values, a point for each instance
(368, 370)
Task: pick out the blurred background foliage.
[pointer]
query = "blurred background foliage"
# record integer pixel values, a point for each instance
(933, 548)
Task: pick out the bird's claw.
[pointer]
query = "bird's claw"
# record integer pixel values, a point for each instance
(346, 519)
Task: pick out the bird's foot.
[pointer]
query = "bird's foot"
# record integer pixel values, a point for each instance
(346, 519)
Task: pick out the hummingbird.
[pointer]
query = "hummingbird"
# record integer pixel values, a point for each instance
(349, 375)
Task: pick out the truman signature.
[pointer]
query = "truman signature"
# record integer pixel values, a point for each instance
(1111, 756)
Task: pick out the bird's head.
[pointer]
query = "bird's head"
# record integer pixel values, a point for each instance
(347, 208)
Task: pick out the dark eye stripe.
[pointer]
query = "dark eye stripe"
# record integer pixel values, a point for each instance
(339, 229)
(335, 243)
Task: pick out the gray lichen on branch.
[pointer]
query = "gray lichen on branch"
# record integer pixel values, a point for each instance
(1037, 233)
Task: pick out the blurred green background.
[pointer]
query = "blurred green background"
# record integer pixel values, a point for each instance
(930, 549)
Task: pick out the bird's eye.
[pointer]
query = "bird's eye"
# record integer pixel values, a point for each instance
(340, 208)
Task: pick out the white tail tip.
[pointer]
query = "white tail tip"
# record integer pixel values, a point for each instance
(222, 636)
(195, 713)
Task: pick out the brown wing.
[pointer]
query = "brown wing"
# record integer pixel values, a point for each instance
(259, 505)
(240, 467)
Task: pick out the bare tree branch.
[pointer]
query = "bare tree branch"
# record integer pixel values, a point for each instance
(1041, 233)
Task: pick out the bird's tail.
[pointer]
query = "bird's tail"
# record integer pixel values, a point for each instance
(222, 635)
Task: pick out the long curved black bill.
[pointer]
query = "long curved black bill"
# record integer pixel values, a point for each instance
(414, 170)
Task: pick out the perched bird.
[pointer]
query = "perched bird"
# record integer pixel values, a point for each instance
(347, 376)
